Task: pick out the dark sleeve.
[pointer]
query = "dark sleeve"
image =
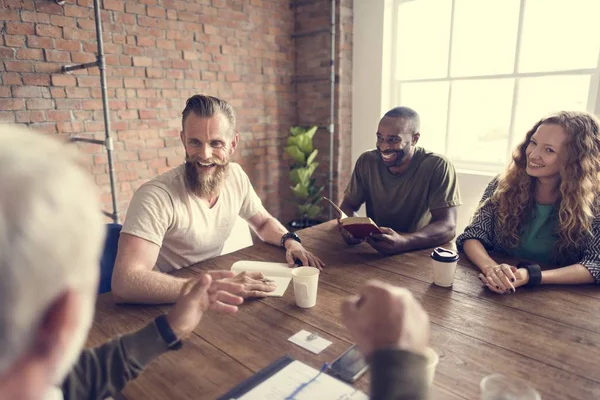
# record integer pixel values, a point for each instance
(355, 192)
(443, 187)
(398, 375)
(104, 370)
(482, 223)
(591, 253)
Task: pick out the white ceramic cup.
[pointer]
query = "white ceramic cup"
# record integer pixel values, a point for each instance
(432, 362)
(443, 263)
(306, 282)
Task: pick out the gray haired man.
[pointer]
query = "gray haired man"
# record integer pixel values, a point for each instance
(51, 234)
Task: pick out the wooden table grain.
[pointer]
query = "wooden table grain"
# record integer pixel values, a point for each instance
(549, 336)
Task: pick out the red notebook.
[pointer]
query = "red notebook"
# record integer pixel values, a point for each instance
(359, 227)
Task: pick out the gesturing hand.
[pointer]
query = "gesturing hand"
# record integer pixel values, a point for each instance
(197, 296)
(385, 316)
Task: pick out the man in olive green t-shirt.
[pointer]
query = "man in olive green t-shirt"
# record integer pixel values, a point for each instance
(411, 193)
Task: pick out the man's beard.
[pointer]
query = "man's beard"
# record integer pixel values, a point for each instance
(208, 184)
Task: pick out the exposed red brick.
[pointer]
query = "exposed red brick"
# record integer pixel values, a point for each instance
(40, 42)
(48, 7)
(19, 28)
(14, 40)
(26, 91)
(19, 66)
(30, 54)
(48, 30)
(39, 104)
(63, 80)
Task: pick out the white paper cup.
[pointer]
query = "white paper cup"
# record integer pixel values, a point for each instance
(432, 362)
(443, 263)
(306, 282)
(500, 387)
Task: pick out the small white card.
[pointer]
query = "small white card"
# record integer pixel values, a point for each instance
(316, 345)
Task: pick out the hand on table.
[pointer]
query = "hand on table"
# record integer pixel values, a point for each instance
(347, 236)
(386, 316)
(252, 284)
(504, 278)
(199, 295)
(295, 251)
(388, 242)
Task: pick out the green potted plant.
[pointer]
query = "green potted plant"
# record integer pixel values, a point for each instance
(306, 192)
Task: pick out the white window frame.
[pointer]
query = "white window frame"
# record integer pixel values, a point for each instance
(593, 103)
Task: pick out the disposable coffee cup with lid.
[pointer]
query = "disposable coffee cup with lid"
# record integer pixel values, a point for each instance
(443, 262)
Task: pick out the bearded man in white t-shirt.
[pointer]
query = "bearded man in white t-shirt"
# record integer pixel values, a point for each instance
(185, 215)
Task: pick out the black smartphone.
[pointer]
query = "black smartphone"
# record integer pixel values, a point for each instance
(350, 366)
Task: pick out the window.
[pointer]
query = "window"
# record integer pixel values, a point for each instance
(482, 72)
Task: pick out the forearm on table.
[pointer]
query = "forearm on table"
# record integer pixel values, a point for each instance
(434, 234)
(147, 287)
(575, 274)
(271, 231)
(477, 253)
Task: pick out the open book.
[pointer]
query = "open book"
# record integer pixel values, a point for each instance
(359, 227)
(279, 273)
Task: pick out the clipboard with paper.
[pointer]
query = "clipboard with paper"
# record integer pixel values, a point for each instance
(282, 379)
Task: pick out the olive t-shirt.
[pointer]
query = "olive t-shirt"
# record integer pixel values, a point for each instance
(403, 202)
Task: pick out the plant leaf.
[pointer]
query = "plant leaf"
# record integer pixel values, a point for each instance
(313, 210)
(312, 156)
(297, 130)
(296, 154)
(300, 191)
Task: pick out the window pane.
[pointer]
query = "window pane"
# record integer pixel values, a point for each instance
(538, 97)
(485, 37)
(422, 48)
(559, 35)
(479, 120)
(430, 100)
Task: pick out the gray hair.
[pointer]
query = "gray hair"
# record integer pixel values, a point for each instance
(409, 114)
(51, 235)
(206, 107)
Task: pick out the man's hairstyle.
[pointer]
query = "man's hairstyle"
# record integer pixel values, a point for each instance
(206, 107)
(51, 235)
(409, 114)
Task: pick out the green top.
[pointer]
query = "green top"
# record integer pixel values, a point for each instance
(538, 237)
(403, 202)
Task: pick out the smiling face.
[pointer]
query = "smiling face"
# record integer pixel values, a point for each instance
(209, 144)
(544, 151)
(395, 140)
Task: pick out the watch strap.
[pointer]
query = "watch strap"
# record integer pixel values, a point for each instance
(170, 338)
(289, 235)
(535, 273)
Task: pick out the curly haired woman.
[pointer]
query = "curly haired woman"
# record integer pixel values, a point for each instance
(545, 208)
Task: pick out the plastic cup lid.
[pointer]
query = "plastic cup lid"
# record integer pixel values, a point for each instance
(444, 255)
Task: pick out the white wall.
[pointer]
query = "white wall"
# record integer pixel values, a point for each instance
(371, 99)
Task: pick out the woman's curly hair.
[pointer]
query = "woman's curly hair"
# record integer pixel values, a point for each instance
(514, 198)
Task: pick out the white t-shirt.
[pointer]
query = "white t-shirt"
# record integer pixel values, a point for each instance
(162, 211)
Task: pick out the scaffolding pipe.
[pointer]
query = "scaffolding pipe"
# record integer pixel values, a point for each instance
(332, 105)
(108, 143)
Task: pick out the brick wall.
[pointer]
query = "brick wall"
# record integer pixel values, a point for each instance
(312, 83)
(158, 53)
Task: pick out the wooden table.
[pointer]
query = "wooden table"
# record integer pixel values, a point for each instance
(549, 336)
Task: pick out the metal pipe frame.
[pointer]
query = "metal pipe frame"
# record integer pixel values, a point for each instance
(107, 142)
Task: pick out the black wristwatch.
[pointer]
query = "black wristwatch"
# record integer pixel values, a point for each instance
(170, 338)
(535, 273)
(289, 235)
